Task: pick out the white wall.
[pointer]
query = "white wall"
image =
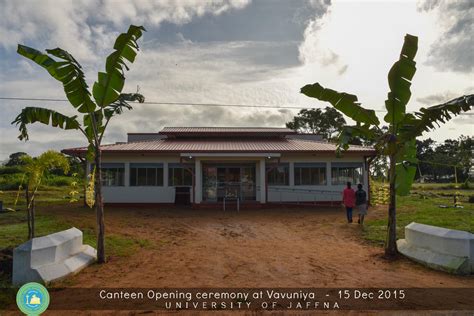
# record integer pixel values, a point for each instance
(134, 194)
(166, 194)
(141, 194)
(328, 192)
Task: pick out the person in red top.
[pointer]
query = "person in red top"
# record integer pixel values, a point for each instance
(348, 200)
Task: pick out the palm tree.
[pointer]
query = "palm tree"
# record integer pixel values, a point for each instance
(95, 114)
(398, 142)
(34, 170)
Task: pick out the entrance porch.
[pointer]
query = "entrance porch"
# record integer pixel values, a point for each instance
(240, 178)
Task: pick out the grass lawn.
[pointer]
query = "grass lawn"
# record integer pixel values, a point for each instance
(14, 229)
(422, 206)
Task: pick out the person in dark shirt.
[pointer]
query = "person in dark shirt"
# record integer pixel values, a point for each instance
(361, 203)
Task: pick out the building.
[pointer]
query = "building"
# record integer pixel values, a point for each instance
(209, 165)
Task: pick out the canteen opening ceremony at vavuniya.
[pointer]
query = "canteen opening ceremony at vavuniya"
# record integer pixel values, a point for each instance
(237, 157)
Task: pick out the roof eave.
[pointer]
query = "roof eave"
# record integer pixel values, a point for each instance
(83, 151)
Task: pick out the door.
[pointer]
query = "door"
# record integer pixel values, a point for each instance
(247, 184)
(209, 183)
(228, 180)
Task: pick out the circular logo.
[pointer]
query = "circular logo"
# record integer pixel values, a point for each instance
(32, 298)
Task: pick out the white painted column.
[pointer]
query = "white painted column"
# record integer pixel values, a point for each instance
(88, 170)
(328, 173)
(127, 174)
(291, 173)
(198, 181)
(165, 174)
(262, 180)
(365, 175)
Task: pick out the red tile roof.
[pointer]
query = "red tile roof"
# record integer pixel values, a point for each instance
(283, 145)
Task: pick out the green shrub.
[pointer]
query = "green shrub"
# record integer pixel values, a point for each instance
(10, 181)
(9, 170)
(13, 181)
(57, 181)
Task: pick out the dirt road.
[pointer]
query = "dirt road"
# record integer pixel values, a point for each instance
(253, 248)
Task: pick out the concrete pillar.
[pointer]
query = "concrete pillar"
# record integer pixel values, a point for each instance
(198, 181)
(262, 175)
(88, 170)
(127, 174)
(365, 175)
(165, 174)
(328, 173)
(291, 173)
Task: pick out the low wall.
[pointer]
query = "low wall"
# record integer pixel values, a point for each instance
(303, 193)
(150, 194)
(439, 248)
(52, 257)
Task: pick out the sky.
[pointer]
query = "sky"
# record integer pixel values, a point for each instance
(258, 52)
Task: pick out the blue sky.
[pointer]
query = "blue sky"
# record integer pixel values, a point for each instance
(235, 51)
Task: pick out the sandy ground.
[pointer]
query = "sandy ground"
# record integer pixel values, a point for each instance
(286, 247)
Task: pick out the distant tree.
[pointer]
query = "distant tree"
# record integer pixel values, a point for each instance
(425, 153)
(465, 155)
(327, 123)
(437, 161)
(35, 169)
(16, 159)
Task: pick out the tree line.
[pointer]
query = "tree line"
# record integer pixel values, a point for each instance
(436, 160)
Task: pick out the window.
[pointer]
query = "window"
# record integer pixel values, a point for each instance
(146, 174)
(278, 175)
(179, 175)
(113, 174)
(343, 172)
(310, 173)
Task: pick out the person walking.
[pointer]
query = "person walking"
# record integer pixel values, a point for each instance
(348, 200)
(361, 203)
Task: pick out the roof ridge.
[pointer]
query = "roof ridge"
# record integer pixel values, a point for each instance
(242, 127)
(327, 142)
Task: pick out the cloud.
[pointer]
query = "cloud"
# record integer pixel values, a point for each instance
(437, 98)
(199, 54)
(88, 27)
(454, 48)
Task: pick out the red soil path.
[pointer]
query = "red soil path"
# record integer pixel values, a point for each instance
(253, 248)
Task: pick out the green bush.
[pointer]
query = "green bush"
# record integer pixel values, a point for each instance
(10, 181)
(9, 170)
(13, 181)
(57, 181)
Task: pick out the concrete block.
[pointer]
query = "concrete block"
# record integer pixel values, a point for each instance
(449, 241)
(52, 257)
(440, 248)
(435, 260)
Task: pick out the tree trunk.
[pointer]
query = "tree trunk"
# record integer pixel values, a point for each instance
(28, 212)
(391, 245)
(99, 208)
(33, 209)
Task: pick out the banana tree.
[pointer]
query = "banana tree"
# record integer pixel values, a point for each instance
(34, 170)
(94, 111)
(398, 142)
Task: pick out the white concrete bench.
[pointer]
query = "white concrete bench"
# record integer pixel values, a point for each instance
(439, 248)
(52, 257)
